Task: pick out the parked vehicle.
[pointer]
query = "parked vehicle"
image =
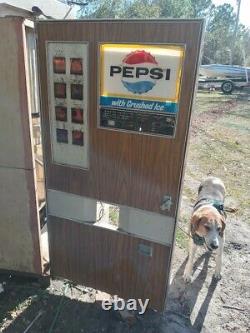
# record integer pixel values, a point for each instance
(225, 77)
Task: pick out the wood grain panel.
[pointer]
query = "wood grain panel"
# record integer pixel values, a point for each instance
(108, 260)
(125, 168)
(19, 225)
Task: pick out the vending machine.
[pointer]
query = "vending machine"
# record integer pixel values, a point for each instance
(116, 100)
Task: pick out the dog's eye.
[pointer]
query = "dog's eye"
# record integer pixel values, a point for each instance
(207, 227)
(219, 229)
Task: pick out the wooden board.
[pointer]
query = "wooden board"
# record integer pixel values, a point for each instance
(19, 225)
(109, 261)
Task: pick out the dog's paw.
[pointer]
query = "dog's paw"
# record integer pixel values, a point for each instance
(187, 277)
(217, 276)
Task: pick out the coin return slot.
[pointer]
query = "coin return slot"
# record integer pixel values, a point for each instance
(77, 115)
(59, 65)
(111, 122)
(60, 90)
(77, 138)
(76, 66)
(61, 113)
(61, 135)
(145, 250)
(77, 91)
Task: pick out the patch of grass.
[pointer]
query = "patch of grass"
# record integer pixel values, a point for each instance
(189, 192)
(181, 238)
(114, 215)
(220, 147)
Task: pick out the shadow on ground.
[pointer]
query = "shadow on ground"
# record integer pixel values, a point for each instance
(23, 300)
(183, 297)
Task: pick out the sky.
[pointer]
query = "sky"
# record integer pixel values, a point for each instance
(244, 9)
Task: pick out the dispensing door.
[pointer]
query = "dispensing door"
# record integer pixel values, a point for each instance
(116, 103)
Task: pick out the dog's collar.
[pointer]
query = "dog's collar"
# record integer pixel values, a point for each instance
(198, 240)
(219, 205)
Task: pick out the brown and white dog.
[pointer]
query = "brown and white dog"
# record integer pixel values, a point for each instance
(207, 224)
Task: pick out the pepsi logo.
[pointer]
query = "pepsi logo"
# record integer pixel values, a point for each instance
(139, 72)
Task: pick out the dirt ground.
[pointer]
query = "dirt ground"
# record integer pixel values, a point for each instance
(219, 145)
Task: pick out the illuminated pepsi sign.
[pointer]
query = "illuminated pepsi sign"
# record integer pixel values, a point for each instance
(142, 67)
(140, 77)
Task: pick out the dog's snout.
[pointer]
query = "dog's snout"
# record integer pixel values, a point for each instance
(214, 245)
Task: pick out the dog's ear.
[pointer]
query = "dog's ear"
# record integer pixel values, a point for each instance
(195, 220)
(223, 225)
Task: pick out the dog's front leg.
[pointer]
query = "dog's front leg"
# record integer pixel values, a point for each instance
(218, 265)
(189, 267)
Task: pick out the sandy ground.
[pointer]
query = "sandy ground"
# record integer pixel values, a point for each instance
(218, 146)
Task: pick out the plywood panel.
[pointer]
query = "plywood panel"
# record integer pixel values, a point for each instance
(108, 260)
(19, 231)
(136, 171)
(19, 225)
(15, 141)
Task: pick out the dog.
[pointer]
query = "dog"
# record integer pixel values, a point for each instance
(207, 224)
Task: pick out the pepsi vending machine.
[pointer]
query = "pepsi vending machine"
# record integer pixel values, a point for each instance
(116, 101)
